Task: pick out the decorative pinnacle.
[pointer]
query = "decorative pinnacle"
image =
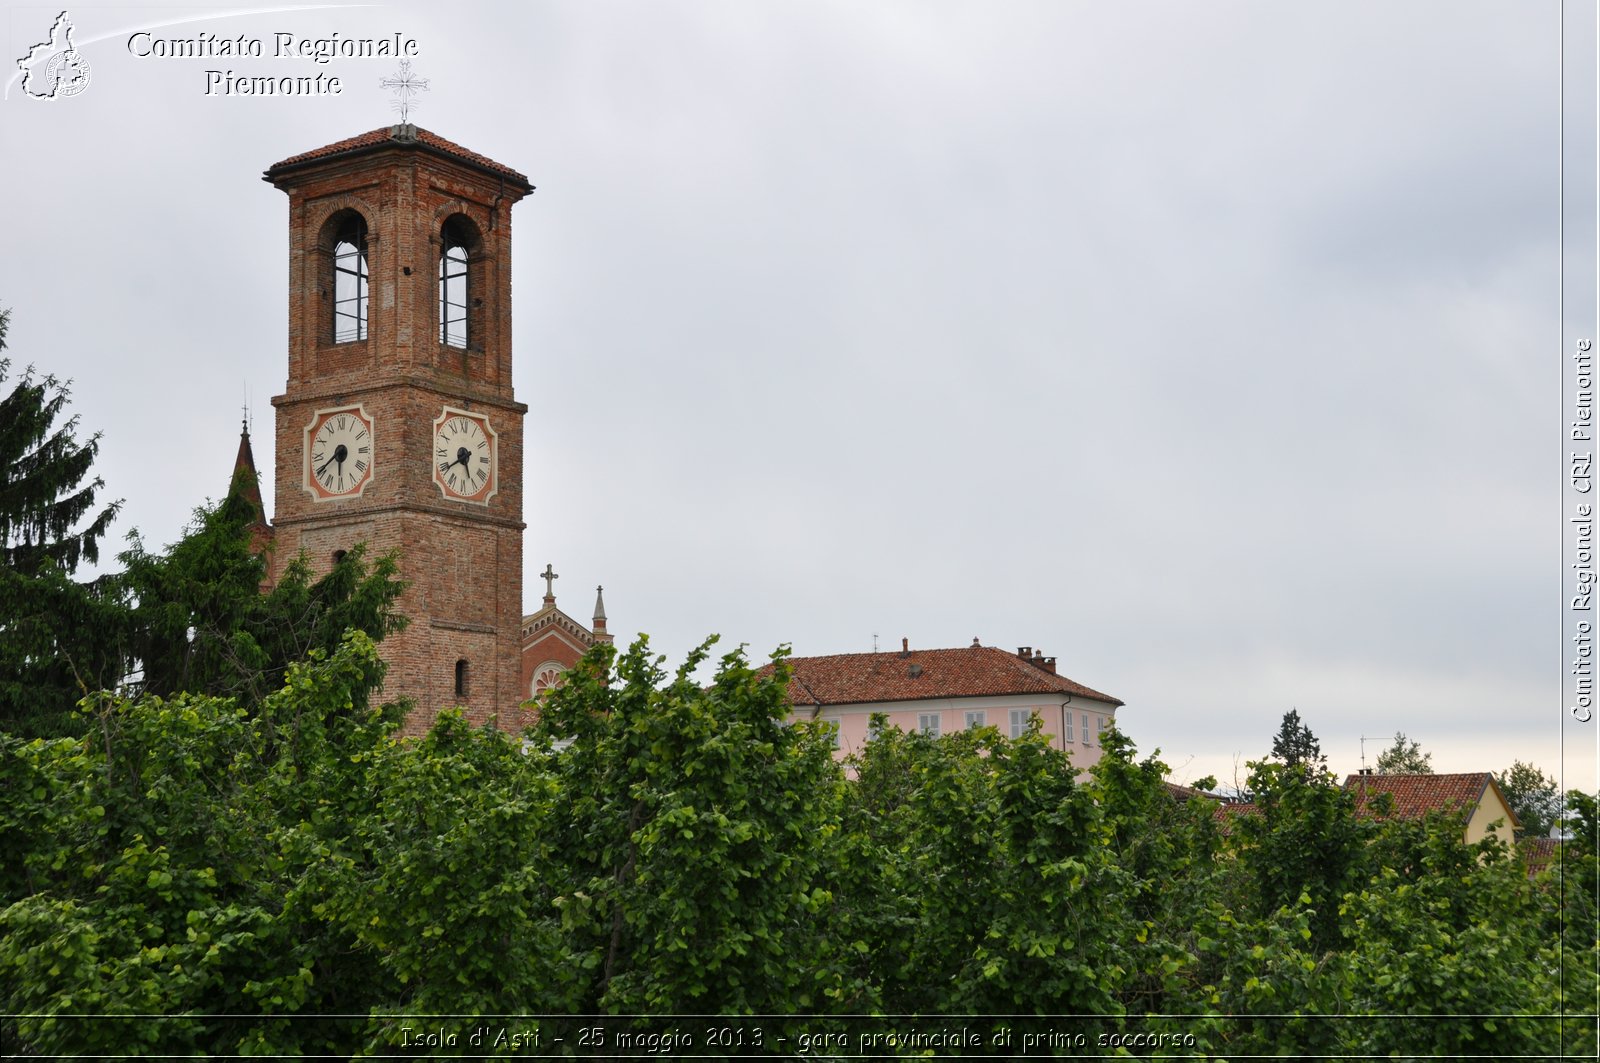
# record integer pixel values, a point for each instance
(404, 85)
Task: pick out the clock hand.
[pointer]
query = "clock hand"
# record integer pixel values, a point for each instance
(340, 452)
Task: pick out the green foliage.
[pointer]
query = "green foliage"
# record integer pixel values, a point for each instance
(1584, 822)
(252, 871)
(193, 619)
(147, 873)
(52, 628)
(1405, 757)
(1534, 796)
(1442, 928)
(1295, 745)
(199, 622)
(982, 883)
(1306, 846)
(693, 839)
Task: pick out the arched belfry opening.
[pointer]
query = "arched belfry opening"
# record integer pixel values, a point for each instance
(347, 276)
(461, 288)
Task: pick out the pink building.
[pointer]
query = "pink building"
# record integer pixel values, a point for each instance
(940, 691)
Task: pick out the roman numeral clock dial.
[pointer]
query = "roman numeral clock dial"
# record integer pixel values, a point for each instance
(464, 456)
(339, 453)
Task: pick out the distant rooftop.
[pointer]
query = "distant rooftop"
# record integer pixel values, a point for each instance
(914, 675)
(1417, 795)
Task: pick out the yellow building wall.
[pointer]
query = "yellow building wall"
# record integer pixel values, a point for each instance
(1490, 809)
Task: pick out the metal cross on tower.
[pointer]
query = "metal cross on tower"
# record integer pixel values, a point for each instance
(404, 85)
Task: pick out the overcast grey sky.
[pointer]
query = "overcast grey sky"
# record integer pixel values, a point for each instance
(1210, 347)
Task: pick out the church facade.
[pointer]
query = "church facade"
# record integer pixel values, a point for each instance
(552, 641)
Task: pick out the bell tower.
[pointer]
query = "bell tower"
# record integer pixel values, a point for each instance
(397, 427)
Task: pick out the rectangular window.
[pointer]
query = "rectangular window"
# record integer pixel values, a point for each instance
(976, 718)
(928, 724)
(1100, 725)
(1085, 719)
(832, 724)
(1019, 722)
(1066, 722)
(874, 726)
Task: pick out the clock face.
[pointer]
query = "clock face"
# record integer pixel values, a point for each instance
(338, 453)
(464, 456)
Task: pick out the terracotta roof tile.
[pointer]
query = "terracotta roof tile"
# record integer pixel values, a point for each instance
(1185, 793)
(1417, 795)
(1225, 815)
(381, 137)
(969, 672)
(1539, 850)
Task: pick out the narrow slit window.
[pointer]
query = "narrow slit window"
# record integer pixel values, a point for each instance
(453, 288)
(461, 678)
(350, 282)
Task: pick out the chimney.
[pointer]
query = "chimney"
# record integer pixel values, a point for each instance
(905, 647)
(1037, 659)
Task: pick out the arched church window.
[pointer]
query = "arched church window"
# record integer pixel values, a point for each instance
(546, 677)
(350, 281)
(461, 678)
(454, 289)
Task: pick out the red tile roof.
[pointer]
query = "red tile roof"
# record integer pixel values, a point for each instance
(1417, 795)
(1225, 815)
(1540, 848)
(386, 137)
(1180, 792)
(970, 672)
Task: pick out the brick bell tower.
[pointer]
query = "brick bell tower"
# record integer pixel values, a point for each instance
(398, 427)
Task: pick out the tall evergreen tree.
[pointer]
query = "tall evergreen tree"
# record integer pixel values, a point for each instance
(1295, 745)
(58, 637)
(43, 467)
(202, 624)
